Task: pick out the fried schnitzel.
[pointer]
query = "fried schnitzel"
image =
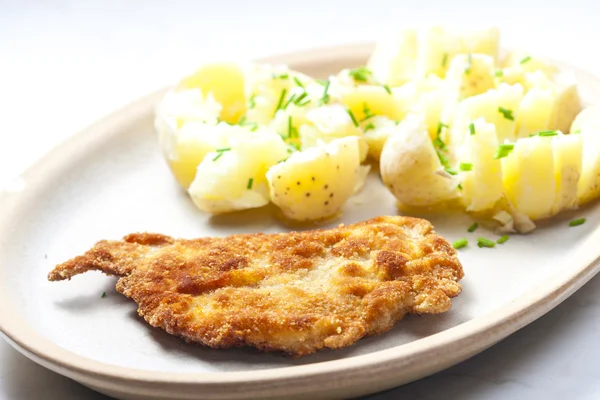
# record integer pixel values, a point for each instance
(295, 292)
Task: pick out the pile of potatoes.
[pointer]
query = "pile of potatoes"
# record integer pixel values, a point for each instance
(447, 120)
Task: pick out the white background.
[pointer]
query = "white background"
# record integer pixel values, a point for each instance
(64, 64)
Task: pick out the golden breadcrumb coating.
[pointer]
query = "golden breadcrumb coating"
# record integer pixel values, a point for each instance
(295, 292)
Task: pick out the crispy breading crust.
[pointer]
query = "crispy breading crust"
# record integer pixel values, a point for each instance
(296, 292)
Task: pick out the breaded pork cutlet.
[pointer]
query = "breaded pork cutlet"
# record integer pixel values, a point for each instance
(295, 292)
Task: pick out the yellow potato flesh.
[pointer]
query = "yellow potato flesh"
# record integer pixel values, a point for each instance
(376, 99)
(568, 151)
(226, 83)
(528, 177)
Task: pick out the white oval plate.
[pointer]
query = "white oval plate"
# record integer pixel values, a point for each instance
(110, 180)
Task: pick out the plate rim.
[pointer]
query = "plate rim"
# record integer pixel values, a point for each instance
(467, 338)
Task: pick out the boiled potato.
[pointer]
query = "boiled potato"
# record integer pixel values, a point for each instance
(567, 104)
(315, 183)
(588, 119)
(329, 123)
(377, 131)
(534, 112)
(368, 100)
(179, 141)
(437, 47)
(499, 106)
(528, 63)
(484, 41)
(393, 60)
(528, 177)
(234, 178)
(226, 82)
(269, 88)
(480, 174)
(410, 167)
(426, 96)
(568, 151)
(470, 74)
(587, 124)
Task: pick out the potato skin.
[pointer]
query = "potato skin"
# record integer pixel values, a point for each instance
(410, 166)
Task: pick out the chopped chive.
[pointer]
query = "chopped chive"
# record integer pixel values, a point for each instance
(290, 126)
(459, 186)
(293, 147)
(504, 150)
(369, 127)
(483, 242)
(440, 126)
(577, 222)
(287, 103)
(360, 74)
(548, 133)
(387, 89)
(443, 159)
(466, 166)
(321, 82)
(103, 295)
(250, 182)
(300, 98)
(472, 128)
(242, 120)
(254, 127)
(302, 104)
(524, 60)
(351, 114)
(576, 131)
(283, 76)
(252, 101)
(502, 239)
(473, 227)
(439, 143)
(499, 73)
(445, 60)
(298, 82)
(220, 153)
(506, 113)
(451, 171)
(460, 243)
(325, 97)
(280, 102)
(469, 64)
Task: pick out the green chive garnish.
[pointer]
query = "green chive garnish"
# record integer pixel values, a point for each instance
(283, 76)
(472, 128)
(460, 243)
(503, 150)
(369, 127)
(280, 102)
(506, 113)
(466, 166)
(445, 60)
(469, 64)
(524, 60)
(220, 153)
(360, 74)
(577, 222)
(483, 242)
(502, 239)
(451, 171)
(250, 182)
(290, 126)
(440, 126)
(251, 101)
(298, 82)
(387, 89)
(325, 97)
(576, 131)
(548, 133)
(351, 114)
(473, 227)
(103, 295)
(459, 186)
(499, 73)
(300, 98)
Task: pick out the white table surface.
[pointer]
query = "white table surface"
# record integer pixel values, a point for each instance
(64, 64)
